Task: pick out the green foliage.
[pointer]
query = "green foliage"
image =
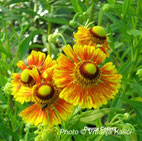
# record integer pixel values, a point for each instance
(27, 24)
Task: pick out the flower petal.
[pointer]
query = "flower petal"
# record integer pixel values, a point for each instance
(64, 108)
(70, 53)
(23, 95)
(34, 73)
(48, 63)
(34, 115)
(16, 82)
(21, 65)
(84, 52)
(72, 93)
(36, 58)
(99, 56)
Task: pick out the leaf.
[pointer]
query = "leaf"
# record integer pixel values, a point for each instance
(2, 49)
(5, 130)
(133, 103)
(25, 43)
(3, 80)
(61, 21)
(15, 1)
(119, 24)
(100, 16)
(134, 32)
(77, 6)
(126, 67)
(125, 6)
(92, 115)
(111, 2)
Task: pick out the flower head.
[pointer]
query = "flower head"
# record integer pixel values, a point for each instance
(95, 36)
(84, 79)
(35, 60)
(48, 108)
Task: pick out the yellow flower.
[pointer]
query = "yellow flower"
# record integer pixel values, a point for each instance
(35, 60)
(47, 107)
(85, 80)
(95, 36)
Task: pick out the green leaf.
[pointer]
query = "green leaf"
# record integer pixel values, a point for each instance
(133, 103)
(126, 67)
(15, 1)
(77, 6)
(100, 16)
(25, 43)
(61, 21)
(119, 24)
(125, 6)
(92, 115)
(5, 130)
(2, 49)
(134, 32)
(112, 2)
(3, 80)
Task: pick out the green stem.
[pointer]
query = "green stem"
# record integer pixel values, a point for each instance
(98, 123)
(26, 136)
(62, 38)
(49, 29)
(99, 138)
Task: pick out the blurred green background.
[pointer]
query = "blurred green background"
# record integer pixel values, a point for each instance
(26, 25)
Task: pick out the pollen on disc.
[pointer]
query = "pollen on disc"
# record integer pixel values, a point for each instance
(90, 68)
(25, 75)
(99, 31)
(44, 90)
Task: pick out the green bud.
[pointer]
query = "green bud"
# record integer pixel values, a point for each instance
(49, 134)
(106, 7)
(126, 116)
(139, 73)
(7, 88)
(52, 38)
(73, 23)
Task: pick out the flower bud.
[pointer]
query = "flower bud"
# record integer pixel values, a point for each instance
(7, 88)
(126, 116)
(52, 38)
(106, 7)
(49, 134)
(73, 23)
(139, 73)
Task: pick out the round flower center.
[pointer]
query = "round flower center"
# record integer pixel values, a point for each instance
(45, 94)
(99, 34)
(45, 90)
(25, 77)
(99, 31)
(88, 70)
(86, 73)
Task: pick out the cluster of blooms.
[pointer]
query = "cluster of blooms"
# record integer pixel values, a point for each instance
(75, 78)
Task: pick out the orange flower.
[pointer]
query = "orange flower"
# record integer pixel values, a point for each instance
(84, 79)
(95, 36)
(48, 108)
(35, 60)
